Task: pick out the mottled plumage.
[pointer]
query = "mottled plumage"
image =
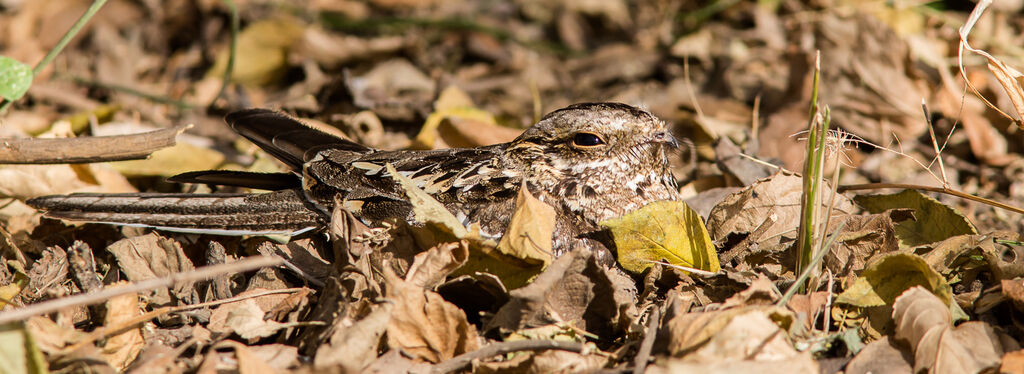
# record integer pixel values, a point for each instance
(589, 161)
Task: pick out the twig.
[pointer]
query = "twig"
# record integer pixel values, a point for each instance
(935, 143)
(199, 274)
(63, 42)
(460, 361)
(106, 331)
(87, 149)
(948, 191)
(644, 353)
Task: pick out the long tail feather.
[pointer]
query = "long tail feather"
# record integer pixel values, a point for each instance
(281, 212)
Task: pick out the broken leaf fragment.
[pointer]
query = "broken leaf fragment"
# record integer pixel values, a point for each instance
(662, 231)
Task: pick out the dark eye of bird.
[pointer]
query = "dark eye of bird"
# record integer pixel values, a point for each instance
(586, 139)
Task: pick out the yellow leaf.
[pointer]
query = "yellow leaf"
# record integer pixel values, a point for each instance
(662, 231)
(262, 52)
(529, 232)
(887, 277)
(180, 158)
(452, 103)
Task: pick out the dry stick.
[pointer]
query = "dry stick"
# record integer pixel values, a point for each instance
(199, 274)
(644, 353)
(948, 191)
(460, 361)
(106, 331)
(87, 149)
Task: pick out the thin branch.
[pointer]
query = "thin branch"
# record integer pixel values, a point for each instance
(87, 149)
(644, 353)
(491, 350)
(203, 273)
(948, 191)
(106, 331)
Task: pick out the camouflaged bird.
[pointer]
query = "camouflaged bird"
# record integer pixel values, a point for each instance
(591, 162)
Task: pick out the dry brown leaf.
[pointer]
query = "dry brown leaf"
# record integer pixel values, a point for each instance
(424, 325)
(354, 343)
(51, 337)
(769, 211)
(1013, 362)
(247, 317)
(880, 357)
(430, 268)
(529, 232)
(121, 349)
(248, 362)
(749, 340)
(574, 289)
(925, 322)
(152, 256)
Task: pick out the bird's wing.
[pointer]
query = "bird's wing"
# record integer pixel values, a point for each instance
(286, 138)
(449, 175)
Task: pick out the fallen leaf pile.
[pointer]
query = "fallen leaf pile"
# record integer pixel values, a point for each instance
(913, 282)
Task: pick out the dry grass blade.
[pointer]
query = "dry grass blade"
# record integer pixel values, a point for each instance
(1011, 79)
(87, 149)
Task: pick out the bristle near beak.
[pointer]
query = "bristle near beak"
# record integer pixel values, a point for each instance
(666, 138)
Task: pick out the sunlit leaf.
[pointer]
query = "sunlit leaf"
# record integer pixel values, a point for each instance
(934, 221)
(887, 277)
(663, 231)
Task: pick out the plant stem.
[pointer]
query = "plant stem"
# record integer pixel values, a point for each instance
(229, 69)
(64, 40)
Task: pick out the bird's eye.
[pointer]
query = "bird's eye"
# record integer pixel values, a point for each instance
(586, 139)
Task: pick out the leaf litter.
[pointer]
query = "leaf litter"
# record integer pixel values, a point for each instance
(914, 282)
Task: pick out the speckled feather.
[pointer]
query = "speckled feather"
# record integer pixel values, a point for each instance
(585, 184)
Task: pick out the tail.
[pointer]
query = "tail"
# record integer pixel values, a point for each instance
(280, 212)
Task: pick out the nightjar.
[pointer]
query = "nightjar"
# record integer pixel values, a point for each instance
(591, 162)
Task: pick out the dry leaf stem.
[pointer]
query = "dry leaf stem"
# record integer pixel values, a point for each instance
(945, 190)
(63, 42)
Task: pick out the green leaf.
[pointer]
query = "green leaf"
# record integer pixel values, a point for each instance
(15, 78)
(889, 275)
(934, 221)
(662, 231)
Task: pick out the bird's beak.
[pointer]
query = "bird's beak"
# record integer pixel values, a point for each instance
(666, 138)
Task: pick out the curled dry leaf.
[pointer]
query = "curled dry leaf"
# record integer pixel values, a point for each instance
(924, 321)
(122, 313)
(247, 318)
(881, 356)
(529, 232)
(424, 325)
(354, 344)
(749, 341)
(662, 231)
(888, 276)
(767, 212)
(934, 221)
(152, 256)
